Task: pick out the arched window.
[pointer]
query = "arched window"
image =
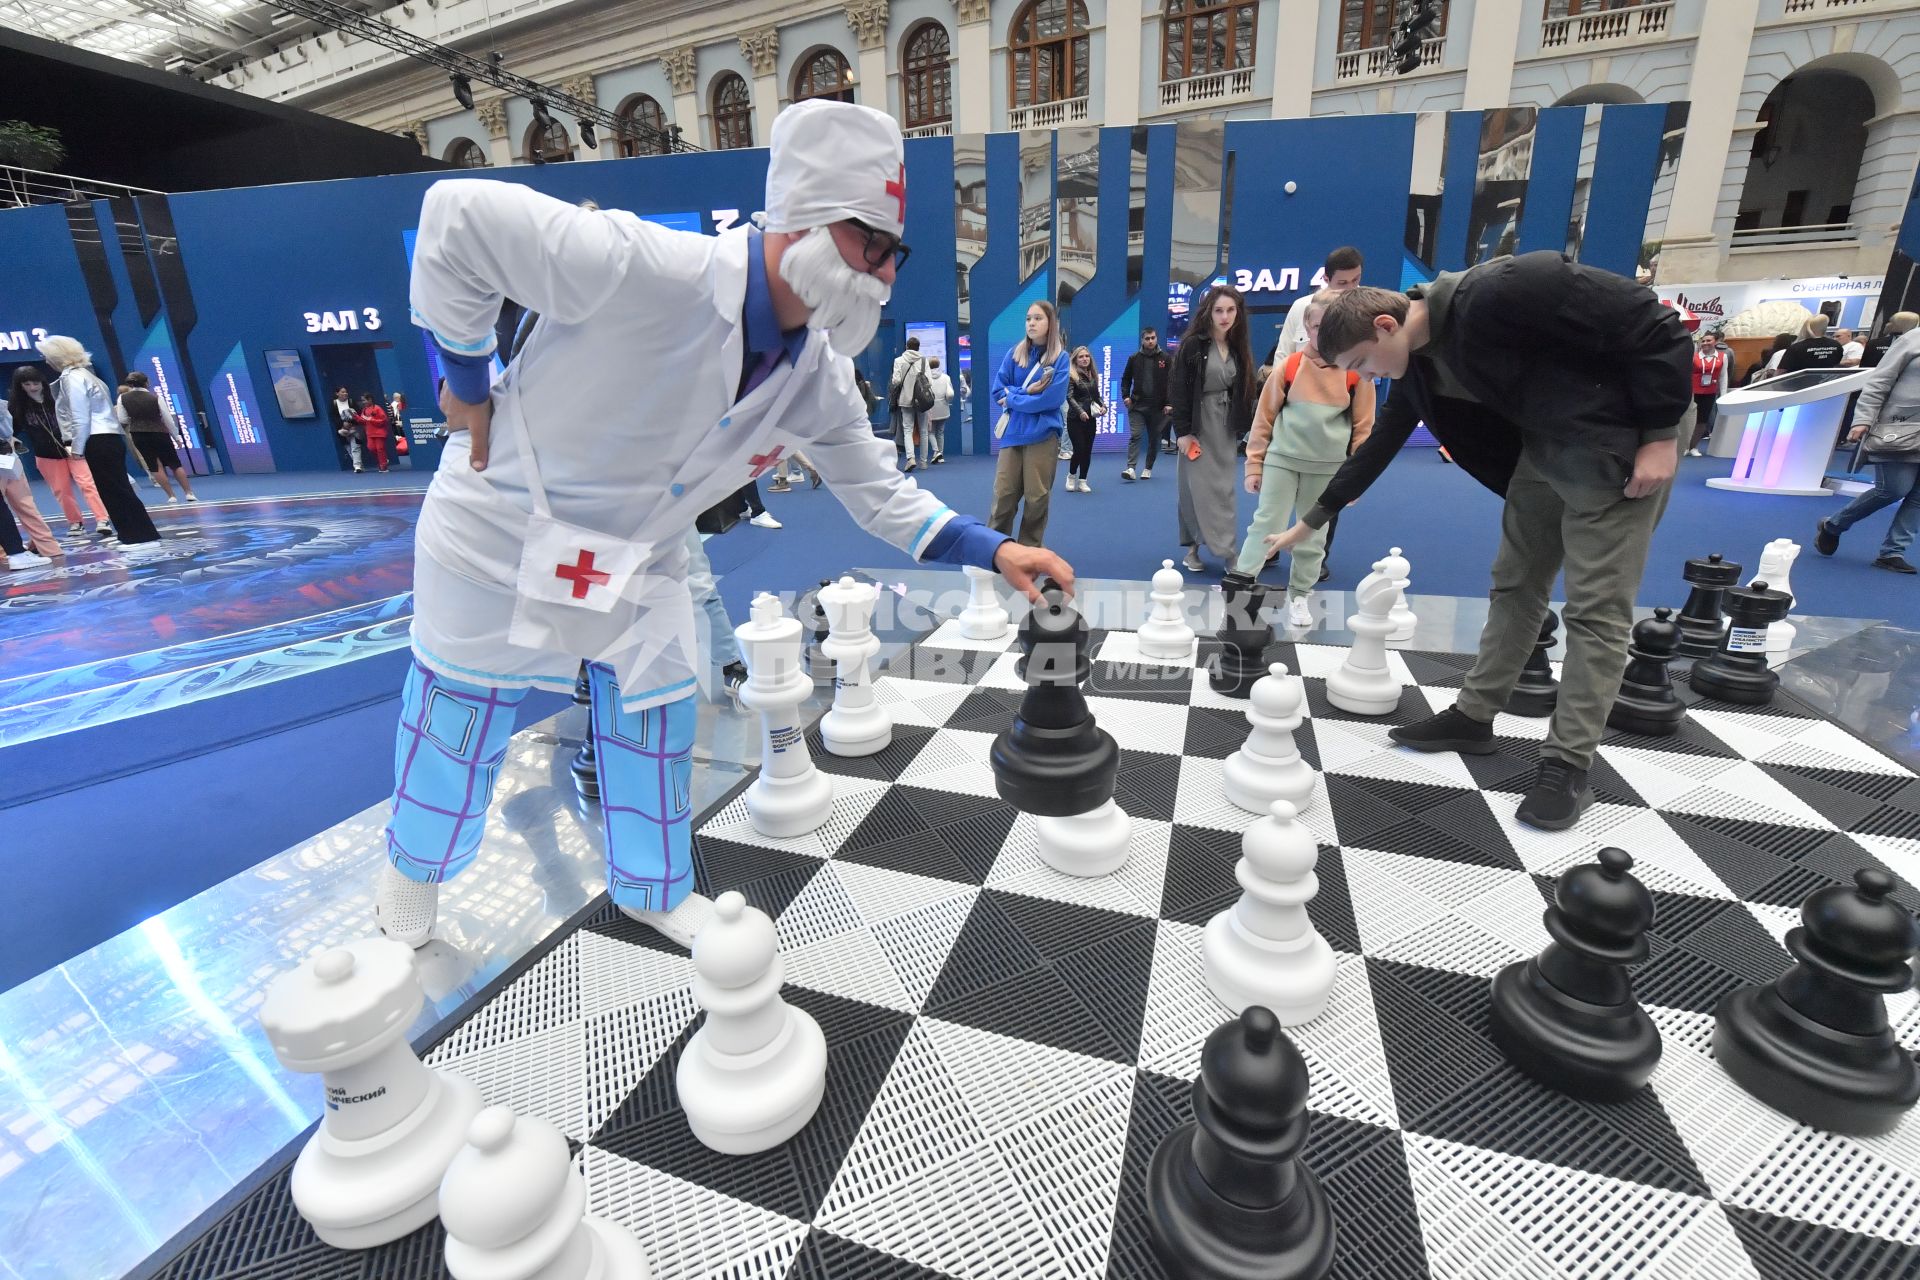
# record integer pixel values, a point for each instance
(823, 73)
(465, 153)
(732, 112)
(1047, 53)
(1806, 155)
(648, 136)
(550, 145)
(1368, 24)
(926, 69)
(1206, 37)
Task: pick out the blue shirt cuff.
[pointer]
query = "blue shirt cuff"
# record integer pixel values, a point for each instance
(470, 378)
(964, 540)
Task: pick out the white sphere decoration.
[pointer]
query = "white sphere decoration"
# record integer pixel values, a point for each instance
(1291, 186)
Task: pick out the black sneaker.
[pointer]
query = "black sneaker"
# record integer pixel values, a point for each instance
(1451, 730)
(1557, 798)
(1826, 539)
(1897, 564)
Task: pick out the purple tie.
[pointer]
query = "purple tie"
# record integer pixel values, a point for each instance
(760, 373)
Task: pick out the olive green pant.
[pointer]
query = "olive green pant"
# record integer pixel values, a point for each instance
(1024, 472)
(1600, 536)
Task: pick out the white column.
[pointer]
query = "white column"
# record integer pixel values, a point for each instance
(1719, 68)
(1295, 40)
(678, 64)
(1490, 46)
(762, 47)
(493, 118)
(868, 20)
(1123, 62)
(972, 67)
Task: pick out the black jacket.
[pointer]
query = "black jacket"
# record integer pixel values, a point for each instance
(1144, 380)
(1812, 353)
(1580, 365)
(1877, 350)
(1190, 379)
(1083, 399)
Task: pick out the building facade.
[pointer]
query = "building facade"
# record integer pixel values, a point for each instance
(1799, 148)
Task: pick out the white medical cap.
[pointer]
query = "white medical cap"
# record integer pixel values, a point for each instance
(832, 161)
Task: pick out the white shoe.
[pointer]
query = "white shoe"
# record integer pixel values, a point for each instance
(405, 908)
(1192, 563)
(76, 530)
(680, 924)
(173, 499)
(1695, 453)
(193, 498)
(765, 520)
(1299, 612)
(1127, 474)
(28, 560)
(1084, 486)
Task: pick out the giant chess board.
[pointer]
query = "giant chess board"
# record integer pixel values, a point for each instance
(1008, 1045)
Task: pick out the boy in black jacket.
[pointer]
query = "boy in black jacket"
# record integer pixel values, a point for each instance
(1565, 389)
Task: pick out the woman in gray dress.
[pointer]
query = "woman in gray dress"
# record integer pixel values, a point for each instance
(1212, 393)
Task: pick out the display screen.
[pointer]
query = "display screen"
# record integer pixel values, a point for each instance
(1801, 381)
(289, 378)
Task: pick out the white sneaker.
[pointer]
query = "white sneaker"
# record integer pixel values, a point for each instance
(173, 499)
(680, 924)
(765, 520)
(405, 908)
(193, 497)
(1192, 563)
(28, 560)
(1127, 474)
(1299, 612)
(1695, 453)
(1084, 486)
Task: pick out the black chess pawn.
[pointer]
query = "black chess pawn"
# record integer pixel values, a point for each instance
(1228, 1197)
(1646, 703)
(1814, 1042)
(1536, 691)
(1054, 761)
(1737, 670)
(1567, 1017)
(585, 770)
(1244, 635)
(582, 688)
(1700, 622)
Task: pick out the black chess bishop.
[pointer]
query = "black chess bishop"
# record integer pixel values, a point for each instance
(1567, 1017)
(1536, 691)
(1054, 761)
(1244, 635)
(1700, 620)
(1228, 1196)
(1646, 703)
(1815, 1042)
(1737, 670)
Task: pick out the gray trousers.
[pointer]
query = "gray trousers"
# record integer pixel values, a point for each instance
(1144, 425)
(1600, 536)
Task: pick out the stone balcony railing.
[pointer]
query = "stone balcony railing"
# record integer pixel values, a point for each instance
(1793, 237)
(1197, 89)
(1047, 115)
(944, 129)
(1635, 23)
(1377, 62)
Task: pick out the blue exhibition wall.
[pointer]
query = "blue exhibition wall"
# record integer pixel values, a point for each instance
(248, 306)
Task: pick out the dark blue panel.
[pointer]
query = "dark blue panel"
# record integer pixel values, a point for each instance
(44, 288)
(1556, 169)
(923, 293)
(1456, 198)
(995, 279)
(1624, 171)
(1156, 269)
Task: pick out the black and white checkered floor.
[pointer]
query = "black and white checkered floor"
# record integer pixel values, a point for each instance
(1008, 1045)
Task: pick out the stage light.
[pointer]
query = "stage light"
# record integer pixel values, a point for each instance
(463, 92)
(540, 116)
(587, 138)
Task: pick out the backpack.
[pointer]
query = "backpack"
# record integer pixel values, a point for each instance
(922, 392)
(1291, 370)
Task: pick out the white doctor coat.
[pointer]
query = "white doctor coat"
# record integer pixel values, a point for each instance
(624, 392)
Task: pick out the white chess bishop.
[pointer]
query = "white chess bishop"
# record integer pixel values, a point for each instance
(755, 1071)
(856, 725)
(515, 1208)
(1776, 566)
(371, 1173)
(1264, 949)
(1401, 615)
(984, 618)
(1165, 635)
(1268, 766)
(790, 797)
(1363, 684)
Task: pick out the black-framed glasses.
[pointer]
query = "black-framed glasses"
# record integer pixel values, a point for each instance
(880, 245)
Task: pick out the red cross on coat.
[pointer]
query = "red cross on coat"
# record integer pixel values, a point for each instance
(763, 462)
(582, 574)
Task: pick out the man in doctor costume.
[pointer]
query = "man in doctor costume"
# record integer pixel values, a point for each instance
(667, 369)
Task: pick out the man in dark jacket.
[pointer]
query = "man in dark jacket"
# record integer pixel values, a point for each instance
(1815, 350)
(1563, 388)
(1143, 388)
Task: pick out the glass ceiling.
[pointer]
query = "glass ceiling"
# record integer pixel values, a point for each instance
(154, 32)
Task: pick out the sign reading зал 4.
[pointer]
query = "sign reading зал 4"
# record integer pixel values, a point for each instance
(349, 320)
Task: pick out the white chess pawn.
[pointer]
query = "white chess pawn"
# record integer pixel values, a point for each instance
(1363, 684)
(515, 1208)
(1165, 634)
(1264, 949)
(856, 725)
(1403, 618)
(1094, 843)
(371, 1173)
(755, 1072)
(790, 797)
(1776, 564)
(984, 618)
(1268, 766)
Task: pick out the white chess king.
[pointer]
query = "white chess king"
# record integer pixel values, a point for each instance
(392, 1126)
(1363, 684)
(1268, 766)
(1165, 636)
(790, 797)
(755, 1071)
(856, 724)
(1264, 949)
(984, 618)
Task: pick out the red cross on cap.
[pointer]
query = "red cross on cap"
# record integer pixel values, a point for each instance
(897, 188)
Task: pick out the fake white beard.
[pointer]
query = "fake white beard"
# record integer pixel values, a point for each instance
(846, 304)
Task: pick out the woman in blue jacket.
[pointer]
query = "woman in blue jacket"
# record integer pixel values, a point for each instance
(1029, 395)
